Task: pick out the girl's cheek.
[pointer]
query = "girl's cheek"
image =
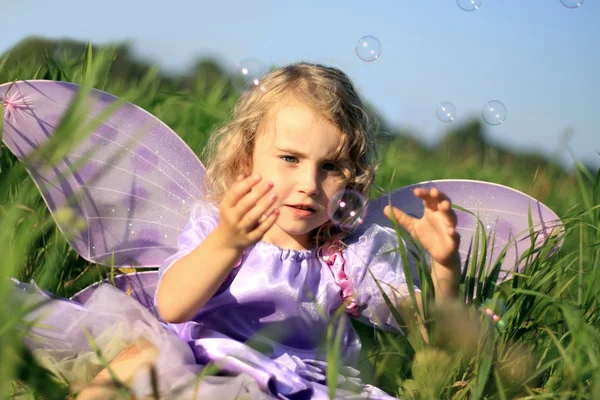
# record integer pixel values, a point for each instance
(336, 186)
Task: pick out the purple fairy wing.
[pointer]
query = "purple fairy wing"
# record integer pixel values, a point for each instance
(139, 285)
(125, 191)
(502, 211)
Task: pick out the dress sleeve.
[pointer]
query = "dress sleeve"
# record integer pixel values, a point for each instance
(203, 220)
(376, 250)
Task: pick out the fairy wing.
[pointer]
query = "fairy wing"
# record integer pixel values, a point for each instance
(121, 195)
(502, 213)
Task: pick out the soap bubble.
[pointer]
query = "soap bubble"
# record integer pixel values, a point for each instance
(248, 73)
(347, 209)
(572, 3)
(368, 48)
(493, 112)
(445, 111)
(469, 5)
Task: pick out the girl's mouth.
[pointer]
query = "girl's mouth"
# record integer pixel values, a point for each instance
(301, 211)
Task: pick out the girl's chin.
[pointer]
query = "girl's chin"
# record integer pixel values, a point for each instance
(291, 235)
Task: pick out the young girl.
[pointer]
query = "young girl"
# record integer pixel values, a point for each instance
(261, 269)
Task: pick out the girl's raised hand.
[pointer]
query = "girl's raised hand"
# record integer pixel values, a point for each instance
(244, 217)
(436, 230)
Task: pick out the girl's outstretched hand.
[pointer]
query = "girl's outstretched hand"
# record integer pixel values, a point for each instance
(436, 230)
(244, 217)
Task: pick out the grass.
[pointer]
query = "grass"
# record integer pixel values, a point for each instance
(545, 348)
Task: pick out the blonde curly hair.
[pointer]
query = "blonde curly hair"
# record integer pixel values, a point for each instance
(331, 94)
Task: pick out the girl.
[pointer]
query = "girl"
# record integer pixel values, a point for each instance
(261, 269)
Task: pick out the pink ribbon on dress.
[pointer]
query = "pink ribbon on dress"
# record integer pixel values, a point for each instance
(335, 261)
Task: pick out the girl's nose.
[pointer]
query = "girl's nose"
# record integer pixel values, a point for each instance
(309, 182)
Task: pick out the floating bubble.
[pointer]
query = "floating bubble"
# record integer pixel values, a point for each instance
(495, 309)
(445, 111)
(248, 73)
(368, 48)
(347, 209)
(571, 3)
(469, 5)
(493, 112)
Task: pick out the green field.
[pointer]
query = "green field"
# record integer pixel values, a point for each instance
(548, 348)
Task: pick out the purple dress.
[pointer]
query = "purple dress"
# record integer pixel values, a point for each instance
(265, 327)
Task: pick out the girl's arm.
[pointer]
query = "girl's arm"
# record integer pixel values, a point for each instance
(446, 278)
(192, 280)
(446, 283)
(436, 232)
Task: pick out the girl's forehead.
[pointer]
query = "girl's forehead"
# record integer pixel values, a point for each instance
(293, 115)
(297, 122)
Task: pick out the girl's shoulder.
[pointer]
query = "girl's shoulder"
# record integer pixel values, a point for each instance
(204, 217)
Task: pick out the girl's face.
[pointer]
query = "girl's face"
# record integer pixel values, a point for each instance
(295, 150)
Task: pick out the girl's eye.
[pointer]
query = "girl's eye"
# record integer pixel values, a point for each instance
(330, 167)
(289, 159)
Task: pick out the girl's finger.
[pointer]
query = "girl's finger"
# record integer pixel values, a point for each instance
(403, 219)
(429, 197)
(455, 238)
(452, 217)
(446, 207)
(442, 198)
(438, 201)
(253, 199)
(254, 214)
(264, 226)
(239, 189)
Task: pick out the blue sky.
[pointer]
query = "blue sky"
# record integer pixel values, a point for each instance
(536, 56)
